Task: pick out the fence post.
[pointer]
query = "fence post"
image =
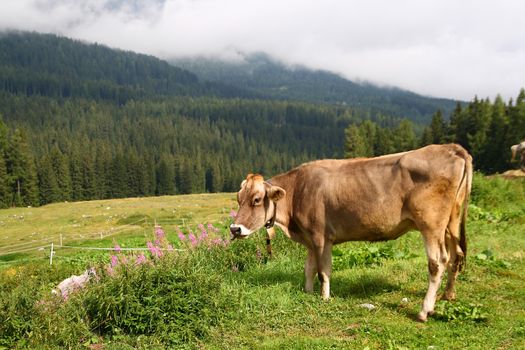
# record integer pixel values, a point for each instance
(61, 240)
(51, 255)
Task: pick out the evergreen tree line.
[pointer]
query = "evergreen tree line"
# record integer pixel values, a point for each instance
(486, 129)
(53, 66)
(78, 149)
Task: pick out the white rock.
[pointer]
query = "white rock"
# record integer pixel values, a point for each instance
(367, 306)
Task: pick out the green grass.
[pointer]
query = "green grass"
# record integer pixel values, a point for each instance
(232, 297)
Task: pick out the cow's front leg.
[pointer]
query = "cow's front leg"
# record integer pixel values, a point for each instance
(324, 268)
(310, 268)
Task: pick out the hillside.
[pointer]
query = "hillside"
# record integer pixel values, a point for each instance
(58, 67)
(266, 77)
(53, 66)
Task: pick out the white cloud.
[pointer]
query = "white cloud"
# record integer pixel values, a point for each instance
(445, 48)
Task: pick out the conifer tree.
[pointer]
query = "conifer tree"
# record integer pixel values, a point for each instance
(516, 132)
(437, 128)
(165, 177)
(61, 171)
(493, 157)
(384, 143)
(75, 169)
(21, 170)
(184, 179)
(368, 131)
(103, 163)
(355, 144)
(478, 120)
(87, 167)
(47, 182)
(4, 185)
(214, 181)
(5, 191)
(118, 177)
(404, 136)
(457, 130)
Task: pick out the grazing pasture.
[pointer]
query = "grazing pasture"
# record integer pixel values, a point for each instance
(217, 295)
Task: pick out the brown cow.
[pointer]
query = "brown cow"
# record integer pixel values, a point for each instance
(327, 202)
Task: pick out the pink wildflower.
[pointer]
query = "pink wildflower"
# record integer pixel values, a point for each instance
(159, 232)
(109, 270)
(212, 228)
(203, 236)
(141, 259)
(233, 214)
(154, 250)
(117, 248)
(181, 236)
(192, 239)
(114, 260)
(170, 248)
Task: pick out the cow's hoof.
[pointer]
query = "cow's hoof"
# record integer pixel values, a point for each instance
(421, 317)
(448, 296)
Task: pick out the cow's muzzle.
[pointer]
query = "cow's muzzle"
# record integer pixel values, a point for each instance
(238, 231)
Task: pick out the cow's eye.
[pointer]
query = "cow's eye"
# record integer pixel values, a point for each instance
(257, 201)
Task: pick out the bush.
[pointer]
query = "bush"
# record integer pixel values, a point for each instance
(166, 299)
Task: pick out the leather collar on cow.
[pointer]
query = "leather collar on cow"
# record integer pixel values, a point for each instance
(270, 223)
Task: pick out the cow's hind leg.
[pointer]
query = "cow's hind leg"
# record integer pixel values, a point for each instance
(456, 254)
(437, 259)
(452, 267)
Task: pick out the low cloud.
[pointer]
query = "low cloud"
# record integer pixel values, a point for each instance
(447, 48)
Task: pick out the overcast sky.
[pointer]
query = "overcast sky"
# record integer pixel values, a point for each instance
(443, 48)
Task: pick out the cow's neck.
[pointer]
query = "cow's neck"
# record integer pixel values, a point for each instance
(283, 214)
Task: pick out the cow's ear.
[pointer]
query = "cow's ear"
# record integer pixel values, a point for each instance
(276, 193)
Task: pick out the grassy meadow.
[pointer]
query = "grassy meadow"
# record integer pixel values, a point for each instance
(213, 294)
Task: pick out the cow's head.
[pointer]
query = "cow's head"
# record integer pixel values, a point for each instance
(257, 206)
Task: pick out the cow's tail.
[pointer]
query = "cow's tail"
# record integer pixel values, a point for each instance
(467, 183)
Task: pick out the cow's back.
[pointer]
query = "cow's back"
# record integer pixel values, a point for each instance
(376, 198)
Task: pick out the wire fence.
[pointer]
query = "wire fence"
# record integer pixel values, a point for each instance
(53, 248)
(50, 245)
(57, 241)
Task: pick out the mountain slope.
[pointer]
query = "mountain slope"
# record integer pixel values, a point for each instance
(49, 65)
(261, 74)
